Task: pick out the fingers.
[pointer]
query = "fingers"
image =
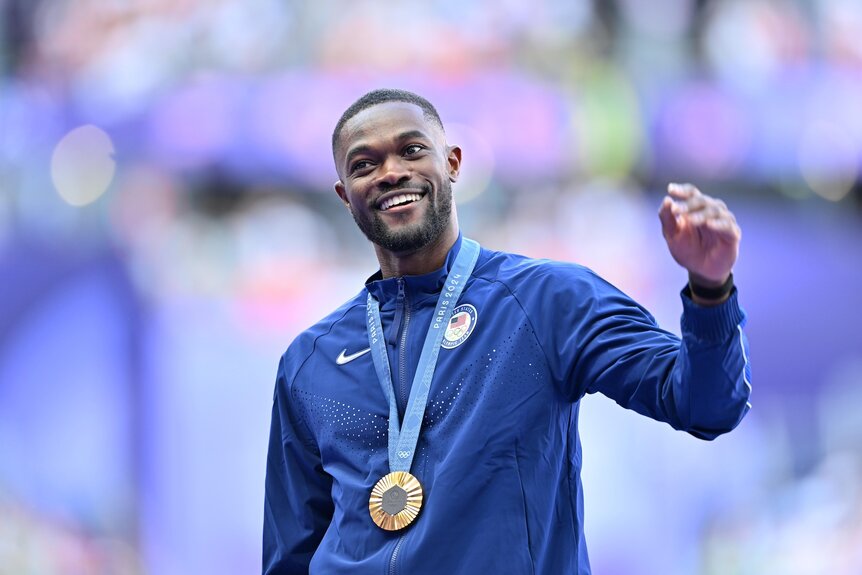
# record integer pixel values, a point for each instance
(681, 199)
(705, 212)
(724, 227)
(681, 191)
(687, 198)
(685, 206)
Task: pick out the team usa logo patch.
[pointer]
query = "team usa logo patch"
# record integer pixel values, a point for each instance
(461, 325)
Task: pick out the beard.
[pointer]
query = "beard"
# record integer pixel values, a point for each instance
(414, 236)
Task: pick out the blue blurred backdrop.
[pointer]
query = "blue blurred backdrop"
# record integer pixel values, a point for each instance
(168, 225)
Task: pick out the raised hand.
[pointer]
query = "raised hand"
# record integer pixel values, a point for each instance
(701, 233)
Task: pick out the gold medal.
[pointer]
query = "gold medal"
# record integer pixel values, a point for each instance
(395, 501)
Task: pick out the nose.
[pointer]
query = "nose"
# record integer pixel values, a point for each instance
(394, 172)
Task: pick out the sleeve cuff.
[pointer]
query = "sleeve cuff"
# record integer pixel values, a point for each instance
(711, 323)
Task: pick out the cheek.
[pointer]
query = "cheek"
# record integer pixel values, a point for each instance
(433, 170)
(355, 193)
(358, 200)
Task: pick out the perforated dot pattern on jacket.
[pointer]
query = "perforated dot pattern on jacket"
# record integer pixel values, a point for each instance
(338, 421)
(503, 374)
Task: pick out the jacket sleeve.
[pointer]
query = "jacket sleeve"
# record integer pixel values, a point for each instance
(611, 345)
(298, 505)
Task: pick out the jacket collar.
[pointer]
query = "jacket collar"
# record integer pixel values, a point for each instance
(417, 287)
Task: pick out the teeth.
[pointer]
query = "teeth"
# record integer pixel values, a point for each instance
(399, 200)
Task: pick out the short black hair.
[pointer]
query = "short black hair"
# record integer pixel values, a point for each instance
(381, 96)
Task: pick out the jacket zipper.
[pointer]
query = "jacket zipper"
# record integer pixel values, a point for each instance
(402, 386)
(394, 558)
(402, 350)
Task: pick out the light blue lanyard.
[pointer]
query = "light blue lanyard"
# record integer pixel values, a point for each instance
(402, 442)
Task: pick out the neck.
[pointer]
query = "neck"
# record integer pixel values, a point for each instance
(422, 261)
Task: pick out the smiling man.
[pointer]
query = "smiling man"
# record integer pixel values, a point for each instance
(395, 176)
(429, 425)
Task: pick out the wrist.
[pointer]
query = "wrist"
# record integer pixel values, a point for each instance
(704, 290)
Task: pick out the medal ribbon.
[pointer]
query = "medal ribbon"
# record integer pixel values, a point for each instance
(402, 442)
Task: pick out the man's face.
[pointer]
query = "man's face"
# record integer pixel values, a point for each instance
(395, 176)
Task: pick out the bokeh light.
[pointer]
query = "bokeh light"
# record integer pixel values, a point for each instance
(829, 159)
(607, 124)
(83, 166)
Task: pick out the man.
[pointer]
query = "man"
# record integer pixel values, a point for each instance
(429, 425)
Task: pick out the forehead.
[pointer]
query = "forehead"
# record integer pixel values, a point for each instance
(385, 121)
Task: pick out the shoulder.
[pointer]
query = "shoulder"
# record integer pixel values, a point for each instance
(519, 273)
(554, 288)
(305, 344)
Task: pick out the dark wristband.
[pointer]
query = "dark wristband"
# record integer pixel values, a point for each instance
(712, 293)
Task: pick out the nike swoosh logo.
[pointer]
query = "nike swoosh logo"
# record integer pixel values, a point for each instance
(342, 359)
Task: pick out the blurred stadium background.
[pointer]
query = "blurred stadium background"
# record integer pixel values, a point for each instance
(167, 225)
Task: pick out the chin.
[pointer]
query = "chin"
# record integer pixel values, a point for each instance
(406, 238)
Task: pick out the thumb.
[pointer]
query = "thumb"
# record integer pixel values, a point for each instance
(669, 225)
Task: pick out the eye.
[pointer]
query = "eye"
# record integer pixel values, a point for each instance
(413, 149)
(359, 166)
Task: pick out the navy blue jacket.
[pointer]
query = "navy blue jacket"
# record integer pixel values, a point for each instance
(499, 456)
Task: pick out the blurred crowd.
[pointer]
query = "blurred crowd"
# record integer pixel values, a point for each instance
(186, 144)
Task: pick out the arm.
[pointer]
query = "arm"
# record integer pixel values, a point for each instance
(702, 384)
(699, 384)
(298, 505)
(597, 339)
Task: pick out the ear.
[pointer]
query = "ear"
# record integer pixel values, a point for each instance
(454, 161)
(342, 193)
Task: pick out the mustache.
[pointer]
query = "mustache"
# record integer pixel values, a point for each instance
(404, 185)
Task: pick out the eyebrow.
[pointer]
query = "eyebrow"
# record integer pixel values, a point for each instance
(364, 148)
